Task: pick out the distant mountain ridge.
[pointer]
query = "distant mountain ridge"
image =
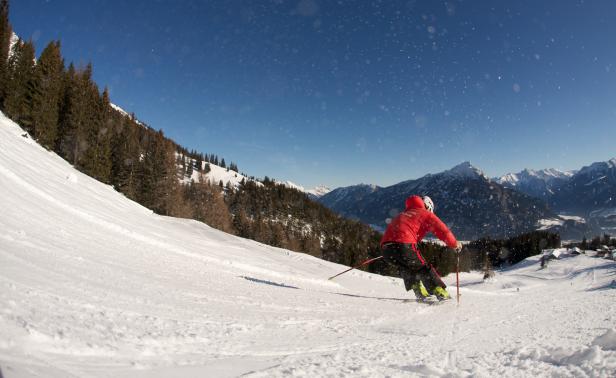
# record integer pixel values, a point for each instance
(589, 192)
(536, 183)
(466, 199)
(574, 203)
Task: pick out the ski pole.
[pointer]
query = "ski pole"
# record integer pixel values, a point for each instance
(458, 278)
(357, 266)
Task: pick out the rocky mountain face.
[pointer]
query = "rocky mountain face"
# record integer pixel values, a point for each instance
(347, 201)
(471, 204)
(590, 193)
(591, 190)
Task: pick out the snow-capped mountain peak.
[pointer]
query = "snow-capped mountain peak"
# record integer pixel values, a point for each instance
(465, 170)
(319, 191)
(522, 178)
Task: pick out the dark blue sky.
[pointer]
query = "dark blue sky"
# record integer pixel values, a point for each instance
(343, 92)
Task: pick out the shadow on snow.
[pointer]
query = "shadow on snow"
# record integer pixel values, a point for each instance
(251, 279)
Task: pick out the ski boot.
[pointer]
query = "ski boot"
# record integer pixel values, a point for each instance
(441, 294)
(420, 291)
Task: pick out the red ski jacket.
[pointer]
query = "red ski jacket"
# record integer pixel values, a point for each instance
(414, 223)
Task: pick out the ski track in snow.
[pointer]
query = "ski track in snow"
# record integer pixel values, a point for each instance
(94, 285)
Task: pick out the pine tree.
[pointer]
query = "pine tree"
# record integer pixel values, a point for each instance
(18, 101)
(488, 271)
(91, 136)
(150, 170)
(584, 245)
(125, 163)
(209, 206)
(189, 168)
(160, 179)
(71, 141)
(102, 144)
(47, 85)
(5, 40)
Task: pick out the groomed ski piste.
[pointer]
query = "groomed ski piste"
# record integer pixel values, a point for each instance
(94, 285)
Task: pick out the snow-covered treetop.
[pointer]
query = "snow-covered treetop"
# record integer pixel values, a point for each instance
(14, 39)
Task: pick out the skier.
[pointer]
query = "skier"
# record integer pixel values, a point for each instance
(399, 247)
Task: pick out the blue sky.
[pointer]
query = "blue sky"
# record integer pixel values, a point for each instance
(347, 92)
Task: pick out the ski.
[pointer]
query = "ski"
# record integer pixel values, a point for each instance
(428, 301)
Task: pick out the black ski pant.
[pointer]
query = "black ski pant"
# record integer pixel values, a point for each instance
(412, 266)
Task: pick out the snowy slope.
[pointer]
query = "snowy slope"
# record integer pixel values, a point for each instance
(94, 285)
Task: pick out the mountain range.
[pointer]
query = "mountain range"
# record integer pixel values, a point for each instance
(574, 203)
(536, 183)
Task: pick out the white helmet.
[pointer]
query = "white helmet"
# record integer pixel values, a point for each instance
(428, 203)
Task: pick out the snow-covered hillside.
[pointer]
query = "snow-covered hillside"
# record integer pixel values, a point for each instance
(217, 174)
(94, 285)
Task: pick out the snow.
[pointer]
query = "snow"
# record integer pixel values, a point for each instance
(548, 223)
(545, 224)
(94, 285)
(218, 174)
(12, 42)
(574, 218)
(120, 110)
(556, 252)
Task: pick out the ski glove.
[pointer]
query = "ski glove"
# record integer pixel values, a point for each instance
(458, 248)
